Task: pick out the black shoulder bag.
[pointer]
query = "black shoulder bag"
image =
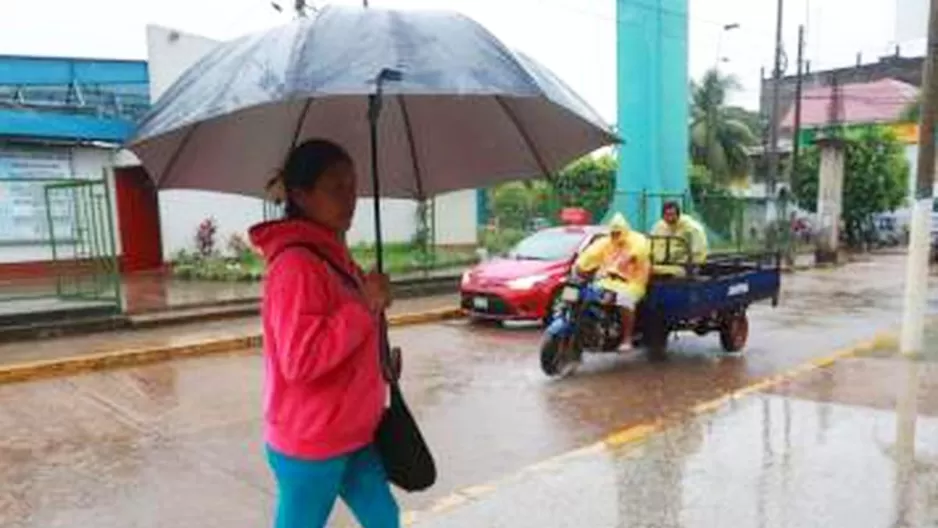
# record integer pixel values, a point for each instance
(404, 452)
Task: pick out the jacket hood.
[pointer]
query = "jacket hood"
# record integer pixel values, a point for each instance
(618, 224)
(270, 238)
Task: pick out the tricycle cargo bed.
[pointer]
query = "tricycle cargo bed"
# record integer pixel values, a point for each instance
(724, 284)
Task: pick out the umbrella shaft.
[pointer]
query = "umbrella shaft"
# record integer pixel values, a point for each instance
(374, 111)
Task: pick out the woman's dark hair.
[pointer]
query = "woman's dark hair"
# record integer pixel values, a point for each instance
(305, 165)
(671, 205)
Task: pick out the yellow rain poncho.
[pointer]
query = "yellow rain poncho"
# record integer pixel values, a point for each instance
(687, 229)
(622, 261)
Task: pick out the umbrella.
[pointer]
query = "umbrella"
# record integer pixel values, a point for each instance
(458, 109)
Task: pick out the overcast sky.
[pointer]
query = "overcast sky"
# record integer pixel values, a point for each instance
(575, 38)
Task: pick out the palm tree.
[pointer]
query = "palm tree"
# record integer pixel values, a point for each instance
(717, 139)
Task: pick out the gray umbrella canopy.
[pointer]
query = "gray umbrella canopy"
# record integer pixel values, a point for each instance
(467, 112)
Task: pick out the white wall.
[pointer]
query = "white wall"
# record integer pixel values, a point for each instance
(181, 212)
(456, 218)
(170, 53)
(398, 221)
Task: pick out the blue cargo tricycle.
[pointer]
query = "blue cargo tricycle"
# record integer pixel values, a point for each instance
(710, 297)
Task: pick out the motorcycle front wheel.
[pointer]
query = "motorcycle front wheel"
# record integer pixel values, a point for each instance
(559, 356)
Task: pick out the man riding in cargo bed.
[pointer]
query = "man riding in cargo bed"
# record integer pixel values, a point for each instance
(671, 254)
(622, 264)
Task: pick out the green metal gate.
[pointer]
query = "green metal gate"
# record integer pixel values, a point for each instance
(81, 235)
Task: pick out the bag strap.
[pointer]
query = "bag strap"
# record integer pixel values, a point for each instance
(384, 348)
(347, 278)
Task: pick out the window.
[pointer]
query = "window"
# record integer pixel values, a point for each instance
(549, 245)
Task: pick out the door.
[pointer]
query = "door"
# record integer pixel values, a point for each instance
(138, 217)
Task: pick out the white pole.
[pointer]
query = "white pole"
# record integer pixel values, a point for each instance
(916, 286)
(906, 417)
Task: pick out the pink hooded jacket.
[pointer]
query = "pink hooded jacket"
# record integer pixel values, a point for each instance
(324, 393)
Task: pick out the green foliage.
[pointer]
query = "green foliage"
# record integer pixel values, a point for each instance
(513, 204)
(876, 178)
(588, 183)
(912, 112)
(715, 206)
(754, 121)
(719, 135)
(499, 241)
(422, 239)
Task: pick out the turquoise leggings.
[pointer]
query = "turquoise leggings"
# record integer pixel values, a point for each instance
(307, 490)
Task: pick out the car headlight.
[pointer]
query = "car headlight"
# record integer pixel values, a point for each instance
(525, 283)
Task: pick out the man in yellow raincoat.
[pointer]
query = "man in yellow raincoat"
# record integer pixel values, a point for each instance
(622, 264)
(675, 224)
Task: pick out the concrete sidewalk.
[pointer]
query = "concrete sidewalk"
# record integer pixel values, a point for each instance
(840, 446)
(25, 359)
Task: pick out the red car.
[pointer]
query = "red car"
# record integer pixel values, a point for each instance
(523, 285)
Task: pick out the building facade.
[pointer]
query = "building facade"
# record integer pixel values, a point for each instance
(61, 123)
(905, 69)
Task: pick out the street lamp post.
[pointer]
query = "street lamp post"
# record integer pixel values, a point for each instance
(725, 29)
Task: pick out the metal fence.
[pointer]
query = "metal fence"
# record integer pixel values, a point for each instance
(734, 224)
(81, 237)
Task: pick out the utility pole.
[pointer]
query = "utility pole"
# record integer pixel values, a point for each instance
(799, 81)
(795, 146)
(772, 176)
(364, 3)
(916, 281)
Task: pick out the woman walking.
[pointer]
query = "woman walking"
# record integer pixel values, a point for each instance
(324, 393)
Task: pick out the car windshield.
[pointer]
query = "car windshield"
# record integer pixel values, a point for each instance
(550, 245)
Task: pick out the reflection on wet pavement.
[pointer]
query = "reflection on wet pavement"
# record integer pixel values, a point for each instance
(107, 449)
(766, 461)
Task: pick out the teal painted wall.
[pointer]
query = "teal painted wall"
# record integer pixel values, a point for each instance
(652, 94)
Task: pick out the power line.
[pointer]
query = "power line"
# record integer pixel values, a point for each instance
(817, 63)
(647, 7)
(754, 35)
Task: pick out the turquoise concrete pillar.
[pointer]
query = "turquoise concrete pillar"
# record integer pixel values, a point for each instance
(653, 90)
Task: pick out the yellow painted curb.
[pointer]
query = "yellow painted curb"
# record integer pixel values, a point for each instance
(643, 431)
(140, 356)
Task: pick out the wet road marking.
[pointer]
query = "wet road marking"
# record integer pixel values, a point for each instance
(641, 432)
(132, 357)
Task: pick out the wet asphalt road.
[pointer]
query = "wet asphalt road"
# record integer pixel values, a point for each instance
(177, 444)
(767, 461)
